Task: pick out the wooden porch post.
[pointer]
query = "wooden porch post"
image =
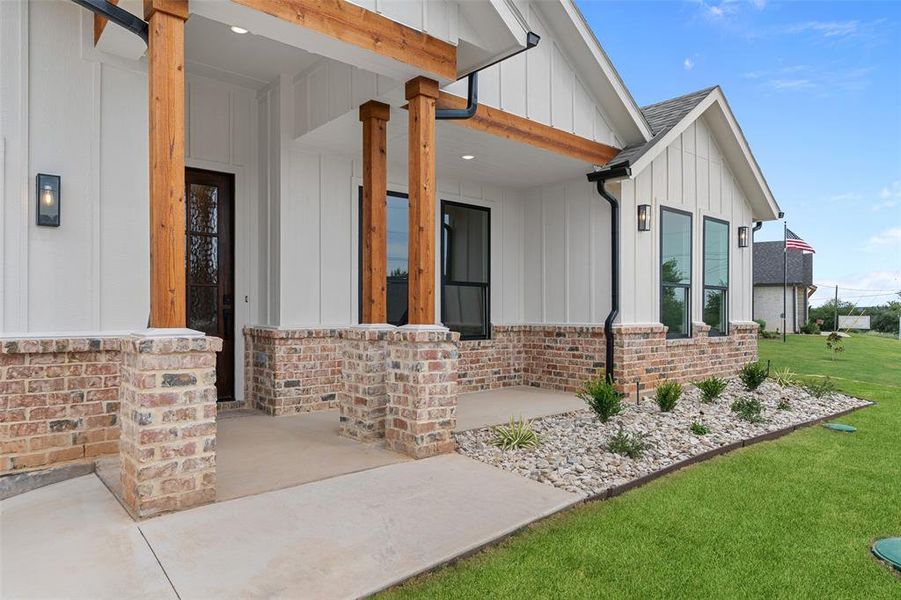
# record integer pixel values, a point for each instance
(374, 116)
(422, 94)
(166, 86)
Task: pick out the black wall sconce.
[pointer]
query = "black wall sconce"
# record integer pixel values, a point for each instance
(644, 217)
(744, 235)
(48, 199)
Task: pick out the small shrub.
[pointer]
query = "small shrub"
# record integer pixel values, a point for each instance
(752, 375)
(667, 395)
(628, 444)
(711, 388)
(785, 377)
(748, 409)
(835, 344)
(516, 435)
(784, 404)
(602, 397)
(762, 325)
(810, 328)
(699, 428)
(769, 335)
(820, 387)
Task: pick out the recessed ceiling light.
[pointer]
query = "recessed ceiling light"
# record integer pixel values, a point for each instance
(467, 157)
(236, 29)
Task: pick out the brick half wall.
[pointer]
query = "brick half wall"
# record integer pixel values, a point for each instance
(59, 401)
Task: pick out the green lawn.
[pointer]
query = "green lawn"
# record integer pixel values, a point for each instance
(790, 518)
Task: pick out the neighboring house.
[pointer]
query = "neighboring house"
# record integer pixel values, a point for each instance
(769, 282)
(223, 182)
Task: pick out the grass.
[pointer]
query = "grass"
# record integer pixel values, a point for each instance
(785, 519)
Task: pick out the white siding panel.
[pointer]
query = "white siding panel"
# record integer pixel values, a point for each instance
(561, 91)
(578, 261)
(208, 111)
(554, 238)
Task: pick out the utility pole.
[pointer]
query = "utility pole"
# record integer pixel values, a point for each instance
(835, 324)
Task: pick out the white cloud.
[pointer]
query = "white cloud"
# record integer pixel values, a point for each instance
(846, 197)
(889, 196)
(790, 84)
(826, 28)
(889, 237)
(688, 64)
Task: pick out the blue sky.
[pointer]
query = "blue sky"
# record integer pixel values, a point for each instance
(816, 87)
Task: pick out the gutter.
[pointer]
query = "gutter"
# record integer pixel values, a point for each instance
(472, 95)
(601, 178)
(119, 16)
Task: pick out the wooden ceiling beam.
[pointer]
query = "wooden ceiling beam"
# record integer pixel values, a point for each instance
(521, 130)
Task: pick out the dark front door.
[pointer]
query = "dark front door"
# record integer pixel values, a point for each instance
(209, 201)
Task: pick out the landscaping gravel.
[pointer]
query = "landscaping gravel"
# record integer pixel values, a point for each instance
(573, 452)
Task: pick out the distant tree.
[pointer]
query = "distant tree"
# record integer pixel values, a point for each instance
(826, 312)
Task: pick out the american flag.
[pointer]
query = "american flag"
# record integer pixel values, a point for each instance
(794, 242)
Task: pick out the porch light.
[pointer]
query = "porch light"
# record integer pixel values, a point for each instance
(48, 199)
(644, 217)
(744, 235)
(467, 157)
(238, 30)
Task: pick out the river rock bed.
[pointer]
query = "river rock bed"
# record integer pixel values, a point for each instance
(573, 452)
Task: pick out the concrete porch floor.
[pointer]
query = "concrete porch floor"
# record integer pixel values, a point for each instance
(345, 537)
(257, 453)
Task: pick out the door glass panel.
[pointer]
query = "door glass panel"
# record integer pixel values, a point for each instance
(204, 259)
(203, 309)
(204, 213)
(465, 244)
(464, 309)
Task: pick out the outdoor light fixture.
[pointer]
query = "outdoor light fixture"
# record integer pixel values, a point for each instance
(644, 217)
(744, 235)
(467, 157)
(47, 188)
(238, 30)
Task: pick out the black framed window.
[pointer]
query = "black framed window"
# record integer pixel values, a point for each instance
(675, 272)
(398, 232)
(716, 275)
(465, 269)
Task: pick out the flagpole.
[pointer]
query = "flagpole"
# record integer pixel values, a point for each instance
(784, 276)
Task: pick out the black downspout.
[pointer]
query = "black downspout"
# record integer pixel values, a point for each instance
(472, 95)
(757, 226)
(601, 178)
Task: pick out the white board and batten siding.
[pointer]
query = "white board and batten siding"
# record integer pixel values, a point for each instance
(690, 175)
(542, 85)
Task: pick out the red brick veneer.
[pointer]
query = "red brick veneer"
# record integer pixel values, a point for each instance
(59, 400)
(290, 371)
(643, 354)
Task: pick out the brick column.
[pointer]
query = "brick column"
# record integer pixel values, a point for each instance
(422, 390)
(168, 419)
(363, 399)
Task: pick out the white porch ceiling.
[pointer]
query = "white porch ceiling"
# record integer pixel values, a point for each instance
(497, 160)
(211, 48)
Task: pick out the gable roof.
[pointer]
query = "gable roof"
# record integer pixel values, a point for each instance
(768, 265)
(661, 117)
(668, 119)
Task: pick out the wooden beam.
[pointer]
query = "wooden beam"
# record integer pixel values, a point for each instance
(374, 116)
(166, 86)
(366, 29)
(100, 23)
(422, 94)
(522, 130)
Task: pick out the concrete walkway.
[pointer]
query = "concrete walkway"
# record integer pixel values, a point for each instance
(344, 537)
(494, 407)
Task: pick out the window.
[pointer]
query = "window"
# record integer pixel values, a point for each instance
(675, 272)
(716, 275)
(398, 254)
(465, 260)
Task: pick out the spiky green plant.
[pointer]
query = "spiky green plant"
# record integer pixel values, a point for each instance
(820, 387)
(602, 397)
(785, 377)
(711, 388)
(667, 395)
(748, 409)
(515, 435)
(699, 428)
(784, 404)
(628, 444)
(752, 375)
